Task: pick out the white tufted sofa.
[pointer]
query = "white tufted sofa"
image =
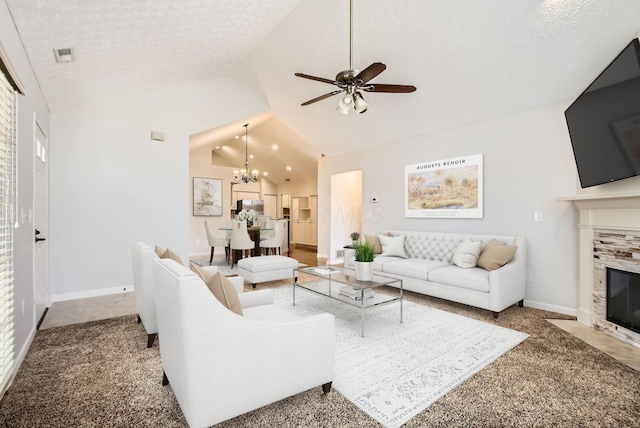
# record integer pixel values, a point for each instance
(429, 270)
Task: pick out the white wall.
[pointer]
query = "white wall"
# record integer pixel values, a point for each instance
(528, 163)
(31, 106)
(111, 185)
(346, 209)
(200, 166)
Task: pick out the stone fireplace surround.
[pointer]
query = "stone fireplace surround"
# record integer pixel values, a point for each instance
(609, 236)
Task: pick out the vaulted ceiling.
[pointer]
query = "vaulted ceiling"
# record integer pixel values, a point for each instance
(470, 60)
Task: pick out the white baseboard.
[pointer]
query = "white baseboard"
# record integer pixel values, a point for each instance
(91, 293)
(552, 308)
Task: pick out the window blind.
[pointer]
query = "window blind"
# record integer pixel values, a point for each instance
(7, 210)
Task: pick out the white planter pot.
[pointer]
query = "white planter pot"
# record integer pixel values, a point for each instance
(364, 271)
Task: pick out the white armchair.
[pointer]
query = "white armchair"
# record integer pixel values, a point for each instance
(142, 256)
(142, 259)
(202, 342)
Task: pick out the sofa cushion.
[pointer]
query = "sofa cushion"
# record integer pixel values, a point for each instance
(472, 278)
(496, 255)
(467, 253)
(380, 261)
(413, 268)
(392, 246)
(221, 288)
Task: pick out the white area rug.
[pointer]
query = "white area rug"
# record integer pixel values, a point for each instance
(222, 264)
(398, 370)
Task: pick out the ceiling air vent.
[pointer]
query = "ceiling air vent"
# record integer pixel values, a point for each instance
(64, 55)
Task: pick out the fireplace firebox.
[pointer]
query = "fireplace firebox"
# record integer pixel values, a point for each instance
(623, 298)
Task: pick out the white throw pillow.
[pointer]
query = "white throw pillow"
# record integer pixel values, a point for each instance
(467, 253)
(392, 246)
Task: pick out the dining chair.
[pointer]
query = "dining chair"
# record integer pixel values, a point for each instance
(216, 241)
(240, 240)
(262, 219)
(266, 234)
(275, 242)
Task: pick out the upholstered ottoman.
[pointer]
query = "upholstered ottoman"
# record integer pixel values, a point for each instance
(266, 268)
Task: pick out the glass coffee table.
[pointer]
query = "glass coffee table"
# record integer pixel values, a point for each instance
(341, 285)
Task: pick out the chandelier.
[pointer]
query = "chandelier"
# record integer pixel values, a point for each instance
(242, 176)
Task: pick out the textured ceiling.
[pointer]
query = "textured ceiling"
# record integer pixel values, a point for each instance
(136, 45)
(471, 60)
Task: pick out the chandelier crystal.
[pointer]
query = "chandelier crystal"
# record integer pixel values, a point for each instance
(242, 175)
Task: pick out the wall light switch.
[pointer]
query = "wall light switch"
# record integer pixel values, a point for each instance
(157, 136)
(537, 216)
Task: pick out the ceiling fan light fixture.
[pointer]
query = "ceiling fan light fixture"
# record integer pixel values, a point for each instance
(345, 104)
(242, 176)
(360, 105)
(352, 81)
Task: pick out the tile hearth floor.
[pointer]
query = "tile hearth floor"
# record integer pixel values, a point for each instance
(623, 352)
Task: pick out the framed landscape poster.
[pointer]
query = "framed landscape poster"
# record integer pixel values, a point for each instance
(207, 196)
(447, 188)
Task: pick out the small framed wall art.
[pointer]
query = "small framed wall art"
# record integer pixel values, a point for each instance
(207, 196)
(447, 188)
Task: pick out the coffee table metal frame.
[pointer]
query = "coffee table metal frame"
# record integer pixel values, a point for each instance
(329, 284)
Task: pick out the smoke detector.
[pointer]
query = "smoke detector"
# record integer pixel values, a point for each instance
(64, 55)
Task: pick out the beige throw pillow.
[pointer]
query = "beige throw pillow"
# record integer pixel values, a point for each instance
(375, 242)
(221, 288)
(392, 246)
(467, 253)
(496, 255)
(168, 254)
(159, 251)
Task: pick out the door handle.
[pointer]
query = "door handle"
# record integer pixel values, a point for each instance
(39, 239)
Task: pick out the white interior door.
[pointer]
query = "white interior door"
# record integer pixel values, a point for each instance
(41, 223)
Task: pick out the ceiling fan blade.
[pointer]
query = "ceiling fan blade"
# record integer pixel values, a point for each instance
(370, 72)
(319, 79)
(321, 97)
(396, 89)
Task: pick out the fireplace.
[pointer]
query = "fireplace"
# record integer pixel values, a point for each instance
(609, 232)
(623, 298)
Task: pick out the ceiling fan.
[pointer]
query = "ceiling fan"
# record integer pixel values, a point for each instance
(353, 82)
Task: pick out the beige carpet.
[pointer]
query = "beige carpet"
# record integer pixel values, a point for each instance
(101, 374)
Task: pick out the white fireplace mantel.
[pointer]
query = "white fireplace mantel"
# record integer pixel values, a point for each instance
(608, 211)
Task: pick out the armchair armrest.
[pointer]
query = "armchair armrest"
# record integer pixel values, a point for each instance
(238, 283)
(256, 298)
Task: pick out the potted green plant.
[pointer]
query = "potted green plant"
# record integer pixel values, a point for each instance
(364, 254)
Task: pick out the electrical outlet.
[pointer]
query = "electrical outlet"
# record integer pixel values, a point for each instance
(197, 242)
(537, 216)
(529, 276)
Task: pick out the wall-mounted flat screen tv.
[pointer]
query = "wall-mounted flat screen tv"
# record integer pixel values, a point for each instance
(604, 122)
